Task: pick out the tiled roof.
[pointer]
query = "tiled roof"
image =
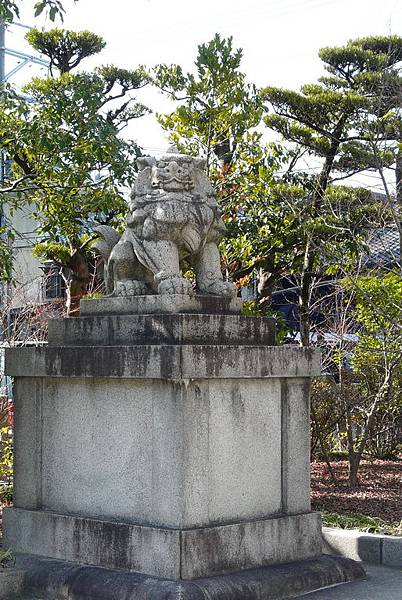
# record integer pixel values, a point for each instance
(383, 247)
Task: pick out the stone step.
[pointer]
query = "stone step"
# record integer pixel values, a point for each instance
(178, 329)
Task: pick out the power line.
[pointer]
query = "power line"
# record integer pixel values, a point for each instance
(25, 58)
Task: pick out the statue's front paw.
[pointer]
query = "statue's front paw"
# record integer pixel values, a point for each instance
(130, 287)
(175, 285)
(221, 288)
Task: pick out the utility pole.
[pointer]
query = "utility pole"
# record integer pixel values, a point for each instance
(2, 77)
(23, 60)
(2, 51)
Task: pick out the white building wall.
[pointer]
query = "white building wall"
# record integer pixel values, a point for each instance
(27, 276)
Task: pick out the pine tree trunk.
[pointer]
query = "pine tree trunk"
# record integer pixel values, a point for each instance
(354, 463)
(77, 280)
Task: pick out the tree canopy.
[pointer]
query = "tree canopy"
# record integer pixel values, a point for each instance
(69, 160)
(217, 107)
(272, 210)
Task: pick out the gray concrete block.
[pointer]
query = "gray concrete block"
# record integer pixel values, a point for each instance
(392, 551)
(165, 362)
(352, 544)
(176, 454)
(158, 552)
(217, 550)
(159, 304)
(176, 459)
(295, 445)
(150, 550)
(244, 463)
(249, 361)
(162, 329)
(27, 442)
(56, 579)
(11, 583)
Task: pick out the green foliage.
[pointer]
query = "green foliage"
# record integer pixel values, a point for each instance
(94, 295)
(270, 218)
(6, 255)
(10, 10)
(378, 303)
(269, 222)
(377, 357)
(352, 120)
(53, 251)
(361, 522)
(6, 558)
(219, 108)
(65, 49)
(69, 160)
(252, 308)
(326, 414)
(6, 494)
(258, 212)
(354, 107)
(358, 406)
(6, 455)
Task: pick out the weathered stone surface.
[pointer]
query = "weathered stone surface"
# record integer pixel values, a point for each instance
(157, 304)
(63, 580)
(164, 461)
(166, 362)
(178, 459)
(162, 329)
(150, 550)
(11, 582)
(295, 415)
(216, 550)
(171, 553)
(173, 214)
(392, 551)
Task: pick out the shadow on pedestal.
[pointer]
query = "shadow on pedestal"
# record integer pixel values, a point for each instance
(59, 580)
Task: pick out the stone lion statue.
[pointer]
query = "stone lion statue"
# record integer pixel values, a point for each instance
(173, 214)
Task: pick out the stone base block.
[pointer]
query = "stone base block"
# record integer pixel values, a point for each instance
(167, 553)
(58, 580)
(11, 582)
(160, 304)
(118, 330)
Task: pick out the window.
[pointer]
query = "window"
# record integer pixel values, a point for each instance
(53, 283)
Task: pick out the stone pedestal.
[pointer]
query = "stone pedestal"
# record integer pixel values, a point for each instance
(172, 445)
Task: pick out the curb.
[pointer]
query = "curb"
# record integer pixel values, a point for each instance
(369, 547)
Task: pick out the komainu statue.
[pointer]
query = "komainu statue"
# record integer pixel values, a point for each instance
(173, 215)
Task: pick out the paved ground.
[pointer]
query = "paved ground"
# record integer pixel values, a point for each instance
(382, 583)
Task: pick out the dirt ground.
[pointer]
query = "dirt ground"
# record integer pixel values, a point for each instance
(378, 495)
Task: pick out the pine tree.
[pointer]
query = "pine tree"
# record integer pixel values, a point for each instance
(351, 119)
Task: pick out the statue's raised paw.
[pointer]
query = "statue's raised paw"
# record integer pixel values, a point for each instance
(221, 288)
(131, 287)
(175, 285)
